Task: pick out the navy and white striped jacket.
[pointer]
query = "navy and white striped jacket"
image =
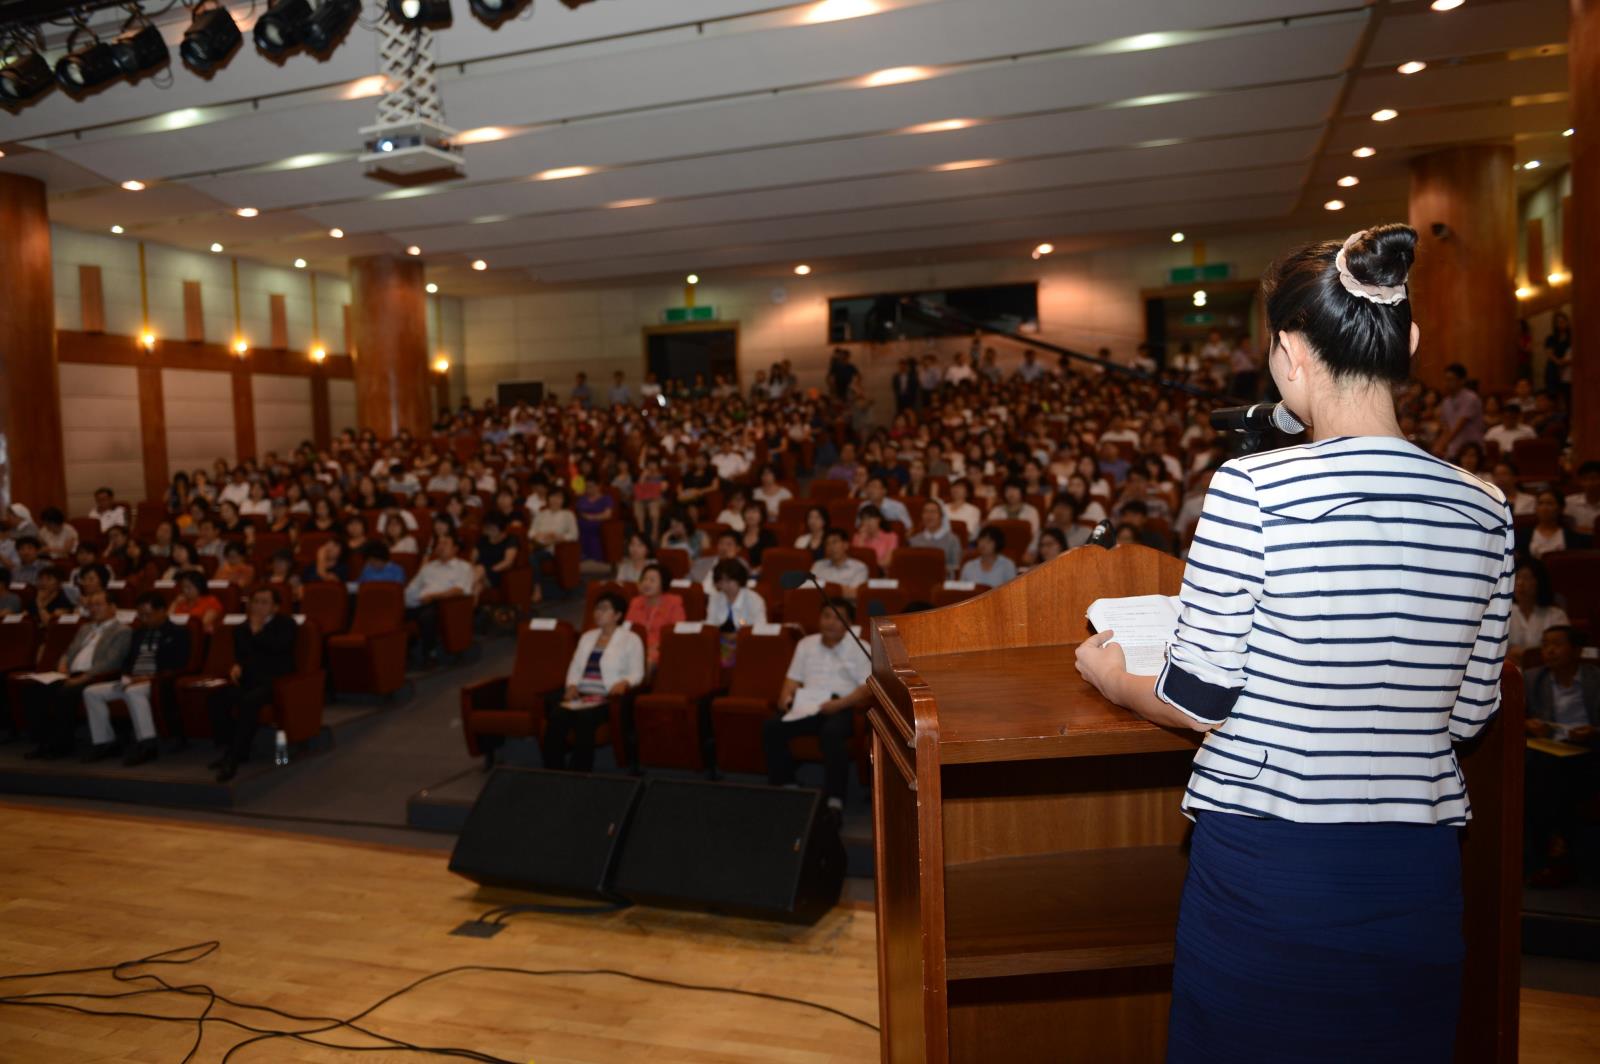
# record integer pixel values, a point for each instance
(1344, 616)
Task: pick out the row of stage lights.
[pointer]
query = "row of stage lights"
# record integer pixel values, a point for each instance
(213, 37)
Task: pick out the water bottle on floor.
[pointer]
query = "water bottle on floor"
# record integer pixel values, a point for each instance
(280, 753)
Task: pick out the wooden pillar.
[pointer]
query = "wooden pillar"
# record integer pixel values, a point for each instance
(1583, 247)
(1463, 287)
(244, 411)
(153, 430)
(390, 344)
(321, 412)
(32, 467)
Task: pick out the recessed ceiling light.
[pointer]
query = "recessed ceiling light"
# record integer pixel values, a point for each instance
(562, 172)
(479, 264)
(1178, 238)
(693, 278)
(965, 164)
(482, 135)
(896, 76)
(1045, 249)
(1416, 66)
(247, 212)
(835, 10)
(1531, 164)
(432, 288)
(1446, 5)
(1364, 153)
(1349, 181)
(299, 264)
(133, 186)
(802, 269)
(413, 250)
(216, 248)
(944, 125)
(336, 233)
(1334, 205)
(622, 204)
(1566, 132)
(1387, 114)
(117, 229)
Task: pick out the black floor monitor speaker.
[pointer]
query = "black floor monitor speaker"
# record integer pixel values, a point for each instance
(556, 832)
(768, 852)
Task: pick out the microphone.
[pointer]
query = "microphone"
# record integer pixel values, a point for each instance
(1257, 417)
(1103, 535)
(795, 578)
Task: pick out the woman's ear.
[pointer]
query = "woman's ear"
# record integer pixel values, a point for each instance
(1416, 338)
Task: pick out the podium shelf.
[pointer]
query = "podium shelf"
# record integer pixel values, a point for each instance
(1073, 911)
(1022, 703)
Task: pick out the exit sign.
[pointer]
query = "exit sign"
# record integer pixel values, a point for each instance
(1215, 271)
(681, 315)
(1202, 317)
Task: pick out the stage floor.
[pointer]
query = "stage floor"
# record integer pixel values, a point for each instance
(328, 927)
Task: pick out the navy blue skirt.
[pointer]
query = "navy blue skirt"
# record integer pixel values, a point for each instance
(1317, 942)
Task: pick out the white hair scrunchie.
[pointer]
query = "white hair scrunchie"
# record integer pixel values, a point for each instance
(1387, 294)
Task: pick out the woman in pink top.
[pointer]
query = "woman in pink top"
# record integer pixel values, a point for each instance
(651, 611)
(871, 533)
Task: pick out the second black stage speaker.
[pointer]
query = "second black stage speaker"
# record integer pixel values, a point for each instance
(768, 852)
(557, 832)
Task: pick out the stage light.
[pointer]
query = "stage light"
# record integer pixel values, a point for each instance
(693, 278)
(1416, 66)
(479, 265)
(318, 353)
(282, 26)
(1446, 5)
(336, 233)
(1348, 181)
(420, 12)
(413, 250)
(216, 249)
(1364, 153)
(139, 51)
(1386, 114)
(441, 364)
(211, 37)
(247, 212)
(299, 264)
(1178, 238)
(494, 12)
(117, 229)
(1334, 205)
(432, 289)
(25, 78)
(147, 339)
(802, 270)
(327, 26)
(133, 186)
(87, 68)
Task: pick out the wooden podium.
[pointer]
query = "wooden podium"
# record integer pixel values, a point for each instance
(1030, 847)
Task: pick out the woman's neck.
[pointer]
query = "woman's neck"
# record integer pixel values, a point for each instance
(1354, 410)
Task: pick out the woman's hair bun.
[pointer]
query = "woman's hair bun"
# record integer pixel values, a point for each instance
(1383, 255)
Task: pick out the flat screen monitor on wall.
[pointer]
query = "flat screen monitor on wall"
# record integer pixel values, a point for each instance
(885, 315)
(510, 393)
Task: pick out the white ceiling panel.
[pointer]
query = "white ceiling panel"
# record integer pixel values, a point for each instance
(1447, 85)
(1479, 28)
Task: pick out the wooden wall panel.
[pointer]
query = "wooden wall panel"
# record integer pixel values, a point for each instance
(30, 396)
(91, 299)
(194, 315)
(100, 440)
(284, 412)
(321, 413)
(199, 417)
(153, 431)
(1583, 249)
(176, 354)
(244, 413)
(278, 314)
(1536, 258)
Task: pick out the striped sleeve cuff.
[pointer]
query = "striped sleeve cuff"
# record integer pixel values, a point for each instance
(1205, 702)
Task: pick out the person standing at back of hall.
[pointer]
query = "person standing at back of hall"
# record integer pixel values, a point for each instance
(1343, 622)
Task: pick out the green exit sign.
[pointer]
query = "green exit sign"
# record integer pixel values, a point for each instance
(682, 315)
(1199, 317)
(1214, 271)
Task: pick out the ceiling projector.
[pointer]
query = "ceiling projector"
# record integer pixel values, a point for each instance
(415, 151)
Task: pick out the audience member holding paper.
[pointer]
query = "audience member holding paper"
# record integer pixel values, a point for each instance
(1564, 750)
(1343, 622)
(827, 679)
(608, 661)
(95, 653)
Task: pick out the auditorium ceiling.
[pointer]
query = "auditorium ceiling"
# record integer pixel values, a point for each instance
(641, 139)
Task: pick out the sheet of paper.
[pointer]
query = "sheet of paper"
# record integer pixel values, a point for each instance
(1555, 747)
(802, 708)
(584, 702)
(1144, 625)
(45, 677)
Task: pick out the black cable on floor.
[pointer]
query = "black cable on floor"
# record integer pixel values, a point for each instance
(201, 950)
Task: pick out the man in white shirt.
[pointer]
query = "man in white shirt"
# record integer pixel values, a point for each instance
(731, 463)
(619, 395)
(1030, 370)
(1511, 429)
(1522, 502)
(95, 653)
(929, 376)
(445, 575)
(445, 481)
(108, 511)
(826, 681)
(238, 489)
(836, 565)
(1583, 505)
(960, 371)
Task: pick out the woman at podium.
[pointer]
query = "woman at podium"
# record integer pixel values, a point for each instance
(1343, 622)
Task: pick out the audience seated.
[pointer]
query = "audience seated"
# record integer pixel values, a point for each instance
(263, 650)
(733, 605)
(1563, 703)
(837, 567)
(990, 568)
(195, 601)
(609, 662)
(445, 575)
(654, 609)
(97, 650)
(826, 681)
(158, 648)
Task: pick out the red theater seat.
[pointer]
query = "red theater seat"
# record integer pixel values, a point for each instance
(370, 658)
(737, 717)
(514, 705)
(668, 717)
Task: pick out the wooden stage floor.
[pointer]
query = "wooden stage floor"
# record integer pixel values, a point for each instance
(326, 928)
